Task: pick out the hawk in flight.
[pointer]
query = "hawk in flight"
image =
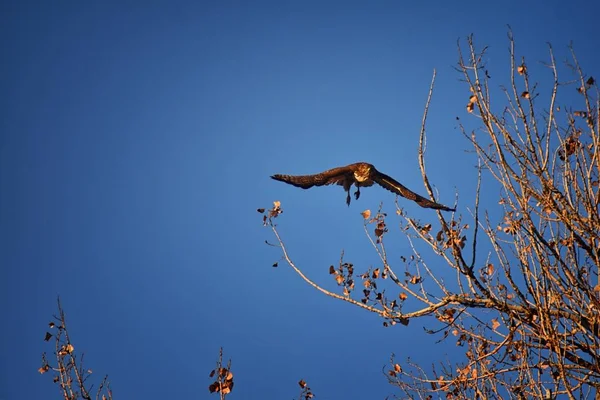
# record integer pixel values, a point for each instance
(362, 175)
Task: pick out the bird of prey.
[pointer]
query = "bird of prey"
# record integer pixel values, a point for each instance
(361, 174)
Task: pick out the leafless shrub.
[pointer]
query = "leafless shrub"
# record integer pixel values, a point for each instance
(223, 383)
(66, 369)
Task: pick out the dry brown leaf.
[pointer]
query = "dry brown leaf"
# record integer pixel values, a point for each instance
(425, 229)
(339, 279)
(522, 69)
(331, 270)
(376, 273)
(439, 236)
(449, 312)
(44, 369)
(472, 99)
(470, 107)
(525, 94)
(48, 336)
(490, 269)
(366, 214)
(302, 383)
(495, 324)
(403, 296)
(277, 204)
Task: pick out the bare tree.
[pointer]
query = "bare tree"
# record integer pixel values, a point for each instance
(66, 370)
(524, 304)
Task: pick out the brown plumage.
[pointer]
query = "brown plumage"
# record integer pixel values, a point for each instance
(362, 175)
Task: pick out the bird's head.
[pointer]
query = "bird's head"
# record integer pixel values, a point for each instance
(363, 172)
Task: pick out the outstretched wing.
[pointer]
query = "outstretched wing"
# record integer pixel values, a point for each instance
(332, 176)
(394, 186)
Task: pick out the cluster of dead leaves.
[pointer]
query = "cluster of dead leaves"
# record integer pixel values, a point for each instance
(412, 279)
(44, 368)
(511, 223)
(344, 276)
(453, 236)
(446, 315)
(223, 383)
(395, 371)
(589, 83)
(63, 351)
(370, 285)
(571, 145)
(306, 393)
(379, 221)
(66, 349)
(466, 373)
(471, 103)
(271, 213)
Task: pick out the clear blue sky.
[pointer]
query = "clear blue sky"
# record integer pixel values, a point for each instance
(137, 141)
